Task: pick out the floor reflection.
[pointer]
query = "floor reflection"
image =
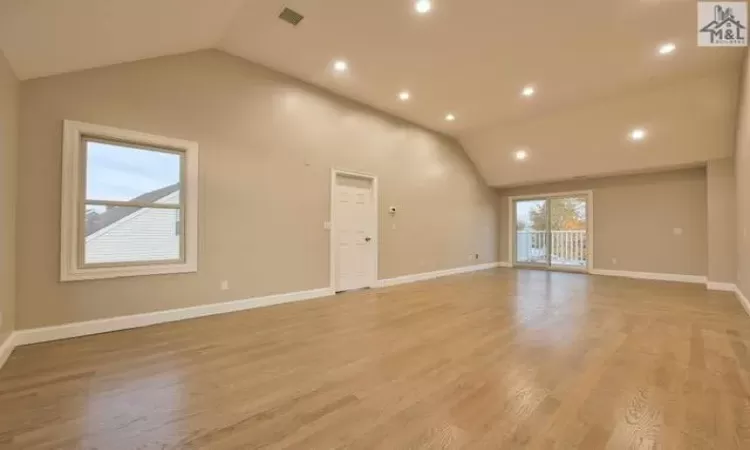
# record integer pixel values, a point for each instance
(551, 308)
(138, 408)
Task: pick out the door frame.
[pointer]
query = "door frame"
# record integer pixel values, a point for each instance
(333, 241)
(589, 194)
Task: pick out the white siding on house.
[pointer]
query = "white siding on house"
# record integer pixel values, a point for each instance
(149, 234)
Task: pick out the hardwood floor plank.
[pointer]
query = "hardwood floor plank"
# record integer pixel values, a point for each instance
(496, 359)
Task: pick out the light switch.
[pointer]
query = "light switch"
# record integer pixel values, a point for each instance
(677, 231)
(327, 225)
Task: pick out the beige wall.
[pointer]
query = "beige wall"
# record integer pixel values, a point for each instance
(690, 120)
(634, 219)
(722, 221)
(742, 178)
(268, 143)
(9, 92)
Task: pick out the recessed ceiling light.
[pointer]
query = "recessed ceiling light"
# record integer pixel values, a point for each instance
(423, 6)
(638, 134)
(528, 91)
(404, 95)
(520, 154)
(340, 66)
(450, 117)
(667, 48)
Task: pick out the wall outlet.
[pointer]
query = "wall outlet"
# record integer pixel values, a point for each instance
(224, 285)
(614, 261)
(677, 231)
(327, 225)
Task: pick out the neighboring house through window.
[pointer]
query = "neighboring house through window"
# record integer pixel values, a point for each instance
(129, 203)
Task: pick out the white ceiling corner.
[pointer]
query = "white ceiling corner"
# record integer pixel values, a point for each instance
(48, 37)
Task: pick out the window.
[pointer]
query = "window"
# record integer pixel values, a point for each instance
(129, 203)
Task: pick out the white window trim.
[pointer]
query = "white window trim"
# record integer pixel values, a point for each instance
(72, 179)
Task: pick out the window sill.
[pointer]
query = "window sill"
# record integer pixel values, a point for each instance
(101, 273)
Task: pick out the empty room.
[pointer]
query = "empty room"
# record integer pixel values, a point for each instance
(349, 224)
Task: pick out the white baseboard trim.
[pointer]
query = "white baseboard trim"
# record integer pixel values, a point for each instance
(743, 300)
(36, 335)
(6, 348)
(651, 276)
(714, 286)
(504, 264)
(436, 274)
(53, 333)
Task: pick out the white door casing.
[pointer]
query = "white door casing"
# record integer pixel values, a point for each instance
(354, 240)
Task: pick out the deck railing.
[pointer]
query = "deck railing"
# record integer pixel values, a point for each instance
(568, 247)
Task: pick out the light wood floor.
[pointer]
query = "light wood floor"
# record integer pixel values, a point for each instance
(498, 359)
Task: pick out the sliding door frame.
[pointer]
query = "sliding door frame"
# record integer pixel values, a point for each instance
(589, 194)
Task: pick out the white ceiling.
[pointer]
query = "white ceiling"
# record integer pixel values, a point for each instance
(48, 37)
(469, 57)
(688, 121)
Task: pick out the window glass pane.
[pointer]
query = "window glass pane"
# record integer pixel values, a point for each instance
(531, 241)
(124, 234)
(121, 173)
(173, 198)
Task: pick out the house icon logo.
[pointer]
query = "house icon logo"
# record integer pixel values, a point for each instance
(722, 24)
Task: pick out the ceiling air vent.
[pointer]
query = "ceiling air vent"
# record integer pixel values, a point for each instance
(291, 16)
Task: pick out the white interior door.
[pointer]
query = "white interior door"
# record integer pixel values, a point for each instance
(355, 225)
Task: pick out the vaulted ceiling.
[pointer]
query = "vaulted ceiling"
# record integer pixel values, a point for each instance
(471, 58)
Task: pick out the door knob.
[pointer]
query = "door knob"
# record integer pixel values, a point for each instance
(368, 239)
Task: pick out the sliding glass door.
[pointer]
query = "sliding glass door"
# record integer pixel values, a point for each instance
(552, 231)
(532, 232)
